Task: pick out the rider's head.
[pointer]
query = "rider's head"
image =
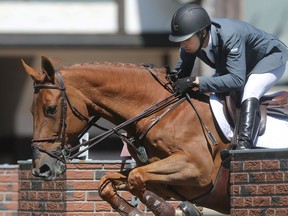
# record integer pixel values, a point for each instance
(188, 20)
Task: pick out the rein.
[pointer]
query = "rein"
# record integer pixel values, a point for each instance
(67, 153)
(92, 142)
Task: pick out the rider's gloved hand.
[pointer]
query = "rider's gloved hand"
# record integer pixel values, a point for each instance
(184, 85)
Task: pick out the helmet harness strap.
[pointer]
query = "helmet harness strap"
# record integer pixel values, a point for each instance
(202, 38)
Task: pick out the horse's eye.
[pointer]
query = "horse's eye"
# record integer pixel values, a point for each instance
(50, 111)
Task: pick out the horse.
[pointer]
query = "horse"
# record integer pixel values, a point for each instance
(177, 159)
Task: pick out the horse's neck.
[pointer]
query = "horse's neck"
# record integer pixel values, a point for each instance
(114, 91)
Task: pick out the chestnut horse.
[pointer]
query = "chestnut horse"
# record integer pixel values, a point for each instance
(182, 162)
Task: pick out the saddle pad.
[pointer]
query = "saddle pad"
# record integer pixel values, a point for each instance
(275, 135)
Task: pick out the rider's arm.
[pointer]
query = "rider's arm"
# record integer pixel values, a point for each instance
(235, 75)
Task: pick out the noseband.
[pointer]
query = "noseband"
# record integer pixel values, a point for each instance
(59, 155)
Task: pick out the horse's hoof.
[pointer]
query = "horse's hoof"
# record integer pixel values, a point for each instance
(189, 209)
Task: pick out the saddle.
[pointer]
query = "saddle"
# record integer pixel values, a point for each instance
(275, 105)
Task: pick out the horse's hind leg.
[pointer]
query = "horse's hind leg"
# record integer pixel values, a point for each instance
(108, 191)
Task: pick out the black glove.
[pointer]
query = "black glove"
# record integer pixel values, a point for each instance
(184, 85)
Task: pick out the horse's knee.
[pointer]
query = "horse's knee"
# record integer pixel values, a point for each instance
(136, 182)
(106, 189)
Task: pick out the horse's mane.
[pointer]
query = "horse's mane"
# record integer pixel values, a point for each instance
(104, 64)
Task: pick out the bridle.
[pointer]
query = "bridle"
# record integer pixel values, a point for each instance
(63, 119)
(64, 153)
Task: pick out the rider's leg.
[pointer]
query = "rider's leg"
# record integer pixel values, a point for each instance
(249, 123)
(257, 85)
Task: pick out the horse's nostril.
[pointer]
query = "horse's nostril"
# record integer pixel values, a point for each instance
(43, 169)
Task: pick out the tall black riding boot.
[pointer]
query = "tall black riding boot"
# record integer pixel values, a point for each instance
(248, 124)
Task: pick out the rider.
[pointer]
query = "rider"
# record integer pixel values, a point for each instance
(244, 58)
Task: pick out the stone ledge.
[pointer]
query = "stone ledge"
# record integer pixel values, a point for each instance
(259, 154)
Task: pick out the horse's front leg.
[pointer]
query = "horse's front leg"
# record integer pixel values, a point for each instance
(175, 170)
(108, 186)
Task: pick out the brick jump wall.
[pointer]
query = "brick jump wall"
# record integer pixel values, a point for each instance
(259, 183)
(259, 186)
(74, 193)
(8, 190)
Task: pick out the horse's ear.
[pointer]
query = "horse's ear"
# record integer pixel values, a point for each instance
(37, 76)
(48, 68)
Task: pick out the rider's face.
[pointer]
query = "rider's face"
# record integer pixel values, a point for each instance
(191, 45)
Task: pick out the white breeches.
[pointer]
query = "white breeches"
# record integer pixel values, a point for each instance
(259, 84)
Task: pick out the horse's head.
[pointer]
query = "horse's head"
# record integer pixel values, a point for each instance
(55, 125)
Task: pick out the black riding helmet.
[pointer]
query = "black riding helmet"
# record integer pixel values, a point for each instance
(187, 21)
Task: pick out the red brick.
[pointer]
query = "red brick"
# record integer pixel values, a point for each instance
(239, 177)
(86, 214)
(283, 201)
(248, 202)
(239, 212)
(112, 166)
(9, 206)
(249, 190)
(237, 202)
(82, 185)
(271, 212)
(266, 189)
(276, 176)
(270, 164)
(22, 195)
(84, 166)
(282, 189)
(102, 206)
(11, 196)
(9, 178)
(60, 185)
(281, 211)
(48, 185)
(80, 206)
(236, 166)
(261, 201)
(12, 186)
(32, 195)
(252, 165)
(29, 206)
(80, 174)
(54, 196)
(285, 176)
(254, 212)
(25, 214)
(257, 177)
(235, 190)
(76, 196)
(42, 196)
(54, 206)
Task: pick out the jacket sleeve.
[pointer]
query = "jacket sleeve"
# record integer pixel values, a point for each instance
(234, 75)
(185, 64)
